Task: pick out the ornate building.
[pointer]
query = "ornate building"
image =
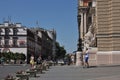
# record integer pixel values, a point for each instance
(99, 26)
(86, 18)
(87, 27)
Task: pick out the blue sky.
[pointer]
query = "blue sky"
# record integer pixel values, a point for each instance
(58, 14)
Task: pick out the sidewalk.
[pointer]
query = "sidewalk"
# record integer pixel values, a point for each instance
(77, 73)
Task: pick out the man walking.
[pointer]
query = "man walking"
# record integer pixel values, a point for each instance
(86, 57)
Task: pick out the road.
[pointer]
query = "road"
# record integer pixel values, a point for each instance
(11, 69)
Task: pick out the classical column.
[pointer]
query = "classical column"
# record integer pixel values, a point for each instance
(82, 27)
(85, 29)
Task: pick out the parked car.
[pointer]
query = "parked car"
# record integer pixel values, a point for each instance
(60, 62)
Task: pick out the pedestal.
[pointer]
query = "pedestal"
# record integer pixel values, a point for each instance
(78, 60)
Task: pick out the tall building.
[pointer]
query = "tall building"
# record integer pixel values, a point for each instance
(108, 31)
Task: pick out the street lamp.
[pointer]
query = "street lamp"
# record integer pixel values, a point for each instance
(79, 54)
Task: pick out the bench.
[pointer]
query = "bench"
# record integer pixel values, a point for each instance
(45, 65)
(10, 79)
(23, 76)
(31, 72)
(38, 68)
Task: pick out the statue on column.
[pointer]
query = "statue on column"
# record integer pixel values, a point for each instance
(89, 38)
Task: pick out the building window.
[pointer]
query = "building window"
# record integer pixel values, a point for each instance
(6, 31)
(22, 43)
(0, 31)
(14, 42)
(0, 43)
(90, 20)
(14, 31)
(90, 4)
(85, 4)
(6, 42)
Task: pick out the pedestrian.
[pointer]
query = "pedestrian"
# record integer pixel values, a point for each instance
(32, 62)
(86, 58)
(72, 59)
(39, 60)
(2, 60)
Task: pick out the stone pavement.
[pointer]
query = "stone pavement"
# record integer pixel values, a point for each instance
(11, 69)
(79, 73)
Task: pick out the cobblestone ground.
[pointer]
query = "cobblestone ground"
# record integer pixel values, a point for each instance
(77, 73)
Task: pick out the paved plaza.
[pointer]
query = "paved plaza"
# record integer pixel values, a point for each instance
(68, 72)
(11, 69)
(79, 73)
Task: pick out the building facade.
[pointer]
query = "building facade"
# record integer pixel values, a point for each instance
(104, 17)
(19, 39)
(108, 33)
(87, 27)
(86, 18)
(48, 40)
(13, 37)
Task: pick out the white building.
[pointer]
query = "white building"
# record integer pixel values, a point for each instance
(19, 39)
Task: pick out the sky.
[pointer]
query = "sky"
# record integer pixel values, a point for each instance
(60, 15)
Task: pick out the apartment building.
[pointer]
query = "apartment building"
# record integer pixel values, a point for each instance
(17, 38)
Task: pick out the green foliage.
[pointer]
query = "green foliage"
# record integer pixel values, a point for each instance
(60, 51)
(23, 57)
(13, 56)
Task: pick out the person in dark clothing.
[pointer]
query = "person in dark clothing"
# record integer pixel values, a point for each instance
(39, 60)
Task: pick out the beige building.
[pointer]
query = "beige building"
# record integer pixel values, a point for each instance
(108, 32)
(100, 20)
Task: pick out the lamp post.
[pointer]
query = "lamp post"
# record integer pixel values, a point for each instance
(79, 54)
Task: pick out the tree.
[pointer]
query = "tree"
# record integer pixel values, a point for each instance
(60, 51)
(23, 57)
